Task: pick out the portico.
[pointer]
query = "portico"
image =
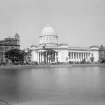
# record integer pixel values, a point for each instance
(47, 56)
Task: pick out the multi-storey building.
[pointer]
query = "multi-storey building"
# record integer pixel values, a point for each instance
(50, 50)
(8, 44)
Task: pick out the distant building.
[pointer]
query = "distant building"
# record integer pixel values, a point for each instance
(27, 57)
(8, 44)
(50, 50)
(102, 54)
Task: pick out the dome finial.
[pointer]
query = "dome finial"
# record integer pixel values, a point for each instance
(47, 24)
(48, 30)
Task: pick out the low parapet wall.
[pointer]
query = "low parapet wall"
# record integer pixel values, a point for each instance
(16, 67)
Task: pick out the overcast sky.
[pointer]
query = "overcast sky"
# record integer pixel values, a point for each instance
(77, 22)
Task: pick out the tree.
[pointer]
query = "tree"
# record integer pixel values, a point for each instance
(15, 55)
(102, 54)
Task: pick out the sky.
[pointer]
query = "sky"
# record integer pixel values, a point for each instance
(77, 22)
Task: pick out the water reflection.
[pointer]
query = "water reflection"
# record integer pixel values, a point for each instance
(79, 86)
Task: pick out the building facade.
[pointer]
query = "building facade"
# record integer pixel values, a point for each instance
(8, 44)
(50, 50)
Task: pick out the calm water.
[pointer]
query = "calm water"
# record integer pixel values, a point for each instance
(54, 86)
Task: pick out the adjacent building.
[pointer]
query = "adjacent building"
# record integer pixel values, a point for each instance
(8, 44)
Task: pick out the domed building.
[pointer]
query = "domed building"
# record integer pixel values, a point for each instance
(48, 37)
(50, 51)
(46, 51)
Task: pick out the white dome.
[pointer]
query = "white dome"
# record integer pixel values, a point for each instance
(48, 30)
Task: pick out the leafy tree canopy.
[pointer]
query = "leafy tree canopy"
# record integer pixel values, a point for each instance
(15, 55)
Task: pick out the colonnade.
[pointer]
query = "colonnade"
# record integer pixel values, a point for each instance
(44, 57)
(78, 56)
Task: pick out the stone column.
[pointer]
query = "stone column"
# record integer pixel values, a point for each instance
(46, 57)
(54, 57)
(79, 57)
(73, 56)
(69, 55)
(76, 56)
(39, 57)
(83, 55)
(86, 56)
